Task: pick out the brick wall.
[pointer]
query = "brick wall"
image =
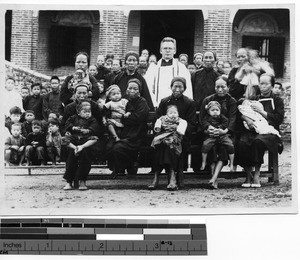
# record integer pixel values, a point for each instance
(43, 42)
(113, 33)
(217, 33)
(21, 39)
(34, 42)
(199, 32)
(134, 25)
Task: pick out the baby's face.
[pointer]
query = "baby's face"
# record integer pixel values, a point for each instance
(115, 95)
(85, 113)
(93, 70)
(214, 111)
(172, 113)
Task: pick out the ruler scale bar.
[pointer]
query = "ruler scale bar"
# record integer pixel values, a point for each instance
(78, 236)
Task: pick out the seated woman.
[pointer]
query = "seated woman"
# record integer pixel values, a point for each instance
(165, 156)
(218, 157)
(122, 154)
(252, 145)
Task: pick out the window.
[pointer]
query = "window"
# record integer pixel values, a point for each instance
(270, 49)
(65, 42)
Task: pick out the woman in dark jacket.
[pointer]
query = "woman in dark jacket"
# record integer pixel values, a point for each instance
(130, 72)
(66, 93)
(252, 146)
(122, 154)
(164, 156)
(219, 155)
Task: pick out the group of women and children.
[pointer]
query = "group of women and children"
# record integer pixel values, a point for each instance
(239, 122)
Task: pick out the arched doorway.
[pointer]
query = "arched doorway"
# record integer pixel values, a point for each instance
(70, 32)
(178, 24)
(266, 31)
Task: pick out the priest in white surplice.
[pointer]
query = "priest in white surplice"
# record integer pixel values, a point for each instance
(159, 77)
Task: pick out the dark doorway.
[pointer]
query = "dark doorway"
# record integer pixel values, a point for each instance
(8, 23)
(180, 25)
(65, 42)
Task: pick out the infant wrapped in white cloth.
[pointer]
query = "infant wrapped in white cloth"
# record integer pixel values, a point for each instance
(260, 124)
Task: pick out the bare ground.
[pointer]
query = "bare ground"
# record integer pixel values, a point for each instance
(42, 193)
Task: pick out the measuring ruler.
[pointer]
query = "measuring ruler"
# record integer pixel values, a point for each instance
(74, 236)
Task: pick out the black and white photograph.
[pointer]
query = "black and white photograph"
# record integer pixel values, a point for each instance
(166, 110)
(149, 108)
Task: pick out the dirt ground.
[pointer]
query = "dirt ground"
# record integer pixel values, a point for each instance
(42, 193)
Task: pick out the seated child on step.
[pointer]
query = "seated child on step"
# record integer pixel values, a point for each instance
(14, 146)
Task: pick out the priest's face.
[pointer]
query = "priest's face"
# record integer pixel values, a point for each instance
(167, 50)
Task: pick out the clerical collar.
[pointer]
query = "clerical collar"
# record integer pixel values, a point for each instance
(166, 63)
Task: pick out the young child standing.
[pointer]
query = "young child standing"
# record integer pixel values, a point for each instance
(35, 145)
(51, 101)
(81, 130)
(214, 120)
(115, 111)
(14, 146)
(53, 141)
(35, 101)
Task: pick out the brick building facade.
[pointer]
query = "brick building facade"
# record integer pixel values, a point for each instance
(39, 37)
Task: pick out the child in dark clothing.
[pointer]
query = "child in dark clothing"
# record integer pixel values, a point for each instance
(24, 92)
(51, 101)
(15, 114)
(215, 120)
(53, 141)
(35, 101)
(14, 146)
(81, 130)
(35, 145)
(27, 125)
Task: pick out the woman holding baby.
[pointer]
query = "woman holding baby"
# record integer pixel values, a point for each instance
(252, 144)
(80, 75)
